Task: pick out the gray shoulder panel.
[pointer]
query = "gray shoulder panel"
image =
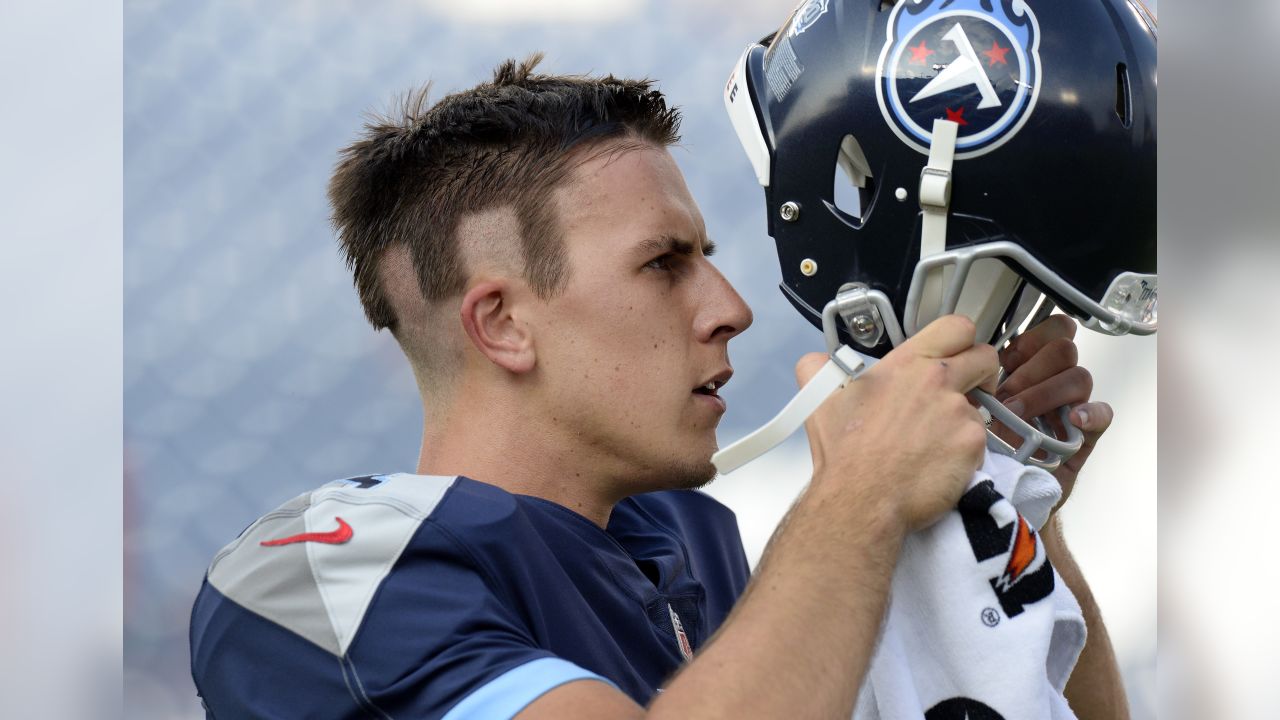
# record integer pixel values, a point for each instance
(326, 553)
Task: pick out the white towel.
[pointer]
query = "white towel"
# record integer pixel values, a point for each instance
(980, 626)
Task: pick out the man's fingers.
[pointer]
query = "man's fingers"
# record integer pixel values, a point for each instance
(975, 367)
(1094, 417)
(1052, 358)
(1026, 345)
(808, 366)
(1069, 387)
(944, 337)
(988, 385)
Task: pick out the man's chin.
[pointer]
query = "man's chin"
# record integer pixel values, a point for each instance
(683, 475)
(691, 476)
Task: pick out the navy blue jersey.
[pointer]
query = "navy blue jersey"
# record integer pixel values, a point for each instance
(410, 596)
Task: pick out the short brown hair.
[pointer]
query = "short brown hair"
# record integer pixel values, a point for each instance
(414, 173)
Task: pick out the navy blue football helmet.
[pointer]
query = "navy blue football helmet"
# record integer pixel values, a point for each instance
(990, 157)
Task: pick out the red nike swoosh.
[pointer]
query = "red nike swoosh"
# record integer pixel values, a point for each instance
(335, 537)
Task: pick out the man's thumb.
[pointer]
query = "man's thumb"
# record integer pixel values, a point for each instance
(808, 366)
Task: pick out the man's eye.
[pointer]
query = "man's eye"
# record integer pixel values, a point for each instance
(662, 262)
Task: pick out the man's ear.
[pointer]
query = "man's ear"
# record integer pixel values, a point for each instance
(493, 329)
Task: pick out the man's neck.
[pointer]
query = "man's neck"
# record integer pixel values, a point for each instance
(511, 454)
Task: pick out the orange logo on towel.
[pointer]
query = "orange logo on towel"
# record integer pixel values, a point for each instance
(1021, 555)
(1027, 576)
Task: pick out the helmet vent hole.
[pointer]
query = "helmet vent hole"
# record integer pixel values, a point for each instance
(1124, 101)
(853, 184)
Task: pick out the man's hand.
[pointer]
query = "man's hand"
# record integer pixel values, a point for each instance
(1043, 375)
(908, 419)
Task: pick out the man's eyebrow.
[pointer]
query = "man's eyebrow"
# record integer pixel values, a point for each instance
(673, 244)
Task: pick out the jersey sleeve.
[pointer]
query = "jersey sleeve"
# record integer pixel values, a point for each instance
(346, 603)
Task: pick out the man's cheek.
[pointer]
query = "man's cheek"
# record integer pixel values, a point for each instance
(649, 401)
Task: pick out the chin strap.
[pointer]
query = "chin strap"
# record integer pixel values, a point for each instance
(935, 201)
(843, 365)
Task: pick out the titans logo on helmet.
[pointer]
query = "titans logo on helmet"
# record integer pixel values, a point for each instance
(975, 62)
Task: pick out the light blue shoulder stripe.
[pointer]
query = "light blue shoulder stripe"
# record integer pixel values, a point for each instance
(512, 691)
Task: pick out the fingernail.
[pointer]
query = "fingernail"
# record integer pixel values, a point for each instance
(1083, 416)
(1016, 406)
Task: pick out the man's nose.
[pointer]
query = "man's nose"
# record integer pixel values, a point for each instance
(722, 313)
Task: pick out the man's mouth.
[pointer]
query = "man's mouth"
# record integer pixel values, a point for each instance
(708, 389)
(712, 384)
(711, 387)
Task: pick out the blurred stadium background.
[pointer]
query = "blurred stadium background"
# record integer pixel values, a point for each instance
(250, 374)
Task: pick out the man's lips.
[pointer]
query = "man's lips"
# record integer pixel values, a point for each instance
(714, 401)
(709, 387)
(715, 382)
